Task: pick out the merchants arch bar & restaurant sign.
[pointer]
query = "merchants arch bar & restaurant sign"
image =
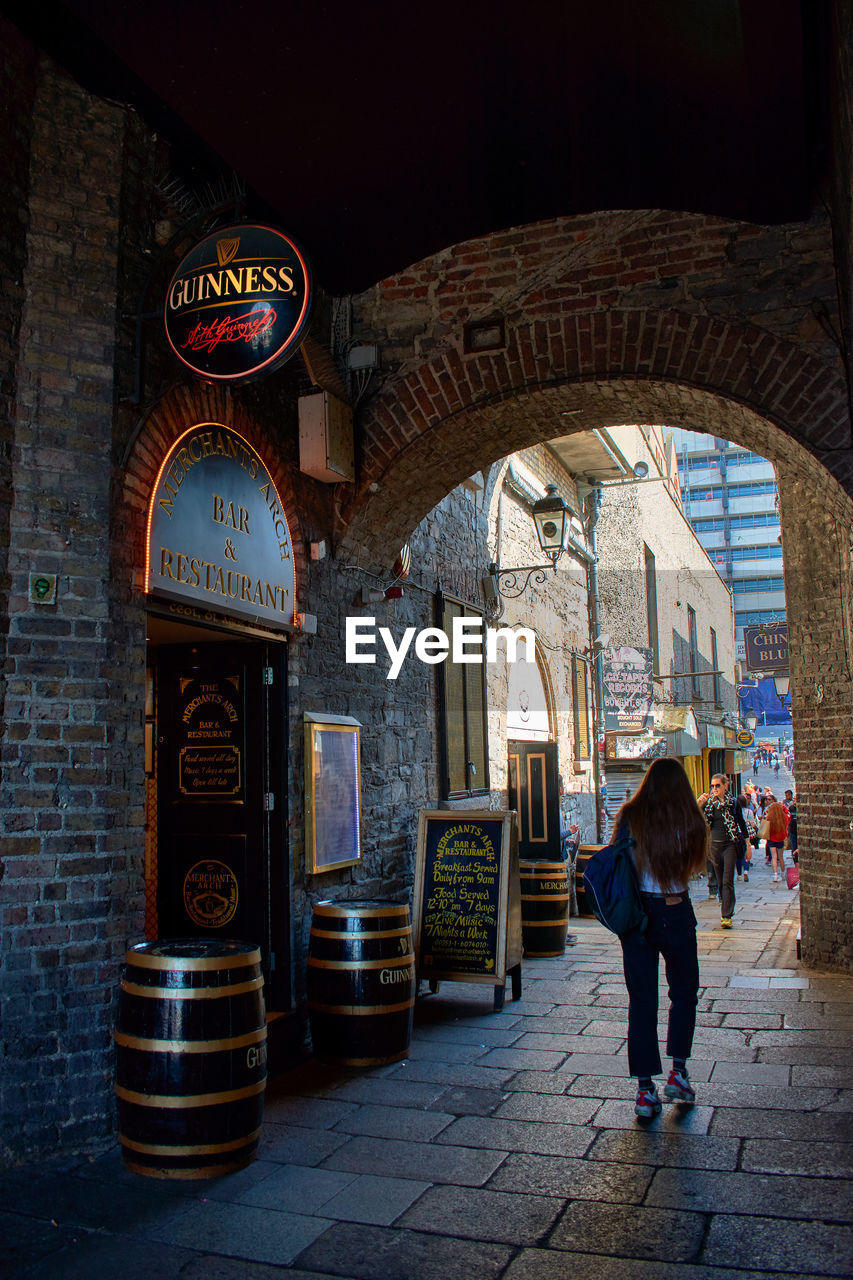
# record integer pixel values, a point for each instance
(218, 539)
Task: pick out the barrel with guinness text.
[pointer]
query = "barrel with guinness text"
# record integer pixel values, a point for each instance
(191, 1055)
(544, 907)
(584, 854)
(361, 982)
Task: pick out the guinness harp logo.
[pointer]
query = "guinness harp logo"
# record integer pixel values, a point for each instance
(225, 250)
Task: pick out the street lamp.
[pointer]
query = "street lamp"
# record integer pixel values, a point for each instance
(553, 520)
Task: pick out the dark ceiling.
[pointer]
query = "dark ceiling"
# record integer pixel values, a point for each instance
(378, 133)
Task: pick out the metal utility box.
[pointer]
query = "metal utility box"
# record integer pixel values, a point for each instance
(326, 438)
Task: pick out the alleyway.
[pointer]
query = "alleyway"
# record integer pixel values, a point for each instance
(506, 1145)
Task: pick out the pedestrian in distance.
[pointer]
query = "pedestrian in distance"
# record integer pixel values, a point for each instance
(728, 837)
(751, 834)
(793, 839)
(668, 844)
(777, 816)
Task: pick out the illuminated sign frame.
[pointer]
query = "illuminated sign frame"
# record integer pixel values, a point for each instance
(217, 535)
(238, 303)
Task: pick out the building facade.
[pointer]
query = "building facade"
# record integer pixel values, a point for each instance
(730, 498)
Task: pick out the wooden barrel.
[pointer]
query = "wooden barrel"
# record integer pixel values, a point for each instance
(584, 854)
(544, 907)
(191, 1050)
(361, 982)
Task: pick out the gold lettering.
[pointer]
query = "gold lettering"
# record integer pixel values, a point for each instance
(251, 280)
(285, 275)
(207, 444)
(217, 509)
(234, 278)
(182, 564)
(270, 285)
(166, 563)
(190, 446)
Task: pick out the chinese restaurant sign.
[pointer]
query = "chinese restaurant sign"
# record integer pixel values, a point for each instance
(238, 303)
(767, 647)
(217, 532)
(628, 693)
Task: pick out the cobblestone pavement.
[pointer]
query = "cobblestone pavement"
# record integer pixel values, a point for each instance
(506, 1144)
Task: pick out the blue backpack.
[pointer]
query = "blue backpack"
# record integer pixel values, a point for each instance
(610, 880)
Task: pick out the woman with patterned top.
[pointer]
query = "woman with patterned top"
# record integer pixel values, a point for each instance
(728, 836)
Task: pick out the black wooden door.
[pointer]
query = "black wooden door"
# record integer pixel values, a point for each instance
(533, 789)
(220, 798)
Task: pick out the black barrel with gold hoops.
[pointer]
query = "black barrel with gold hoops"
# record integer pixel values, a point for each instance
(191, 1050)
(544, 907)
(361, 982)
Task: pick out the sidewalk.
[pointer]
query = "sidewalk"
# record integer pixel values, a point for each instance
(506, 1145)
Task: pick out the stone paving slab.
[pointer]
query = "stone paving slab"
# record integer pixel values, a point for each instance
(572, 1179)
(753, 1122)
(629, 1231)
(765, 1195)
(666, 1148)
(514, 1219)
(518, 1135)
(765, 1242)
(406, 1123)
(422, 1161)
(241, 1231)
(373, 1253)
(813, 1159)
(542, 1264)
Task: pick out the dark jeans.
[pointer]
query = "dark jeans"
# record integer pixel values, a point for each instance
(724, 857)
(671, 934)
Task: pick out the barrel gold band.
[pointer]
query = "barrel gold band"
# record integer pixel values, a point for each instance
(189, 1046)
(183, 964)
(190, 1099)
(191, 993)
(533, 870)
(360, 913)
(544, 897)
(400, 962)
(338, 934)
(360, 1010)
(213, 1149)
(543, 924)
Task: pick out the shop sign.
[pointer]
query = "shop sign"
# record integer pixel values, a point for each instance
(767, 647)
(745, 738)
(628, 692)
(716, 735)
(238, 303)
(644, 748)
(217, 532)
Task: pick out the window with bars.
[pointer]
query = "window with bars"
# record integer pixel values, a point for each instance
(464, 744)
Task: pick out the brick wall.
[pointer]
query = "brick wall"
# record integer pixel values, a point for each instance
(65, 803)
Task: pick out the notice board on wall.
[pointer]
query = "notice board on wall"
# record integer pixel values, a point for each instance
(467, 904)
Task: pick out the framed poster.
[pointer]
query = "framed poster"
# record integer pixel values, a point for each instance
(467, 905)
(332, 792)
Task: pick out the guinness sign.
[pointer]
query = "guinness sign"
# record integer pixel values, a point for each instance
(238, 303)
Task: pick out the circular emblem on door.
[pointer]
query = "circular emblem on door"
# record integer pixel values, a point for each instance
(210, 894)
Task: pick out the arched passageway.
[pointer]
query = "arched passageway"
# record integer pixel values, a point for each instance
(571, 348)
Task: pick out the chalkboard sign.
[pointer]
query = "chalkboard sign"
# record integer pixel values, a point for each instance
(467, 908)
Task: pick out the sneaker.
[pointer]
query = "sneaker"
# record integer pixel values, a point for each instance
(739, 876)
(775, 875)
(678, 1088)
(746, 877)
(648, 1104)
(726, 922)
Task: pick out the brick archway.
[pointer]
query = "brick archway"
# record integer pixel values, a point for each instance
(649, 317)
(414, 456)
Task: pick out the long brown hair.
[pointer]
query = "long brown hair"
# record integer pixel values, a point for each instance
(776, 816)
(670, 832)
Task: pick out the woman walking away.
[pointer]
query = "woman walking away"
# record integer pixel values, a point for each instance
(777, 816)
(668, 840)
